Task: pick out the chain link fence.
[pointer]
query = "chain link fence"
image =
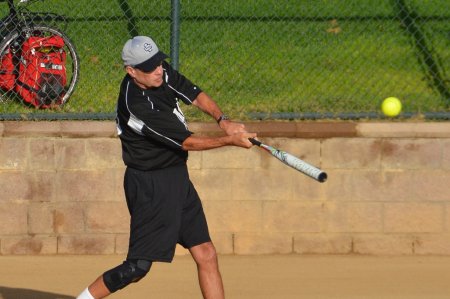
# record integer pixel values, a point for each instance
(265, 58)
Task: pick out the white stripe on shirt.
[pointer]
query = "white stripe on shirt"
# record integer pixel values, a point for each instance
(137, 125)
(180, 93)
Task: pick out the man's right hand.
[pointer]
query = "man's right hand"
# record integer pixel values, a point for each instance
(241, 139)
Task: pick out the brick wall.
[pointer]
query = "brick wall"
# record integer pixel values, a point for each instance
(388, 190)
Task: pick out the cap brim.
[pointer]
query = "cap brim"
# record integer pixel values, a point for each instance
(151, 63)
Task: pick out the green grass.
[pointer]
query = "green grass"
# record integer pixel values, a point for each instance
(265, 55)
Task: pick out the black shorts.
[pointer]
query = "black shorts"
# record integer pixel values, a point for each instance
(165, 210)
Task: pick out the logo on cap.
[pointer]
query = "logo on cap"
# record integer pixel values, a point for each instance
(148, 47)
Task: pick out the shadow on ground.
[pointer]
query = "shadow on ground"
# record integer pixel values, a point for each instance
(16, 293)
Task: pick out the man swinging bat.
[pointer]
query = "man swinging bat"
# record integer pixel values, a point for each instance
(164, 206)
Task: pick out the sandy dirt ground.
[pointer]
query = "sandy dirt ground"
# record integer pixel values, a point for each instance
(245, 277)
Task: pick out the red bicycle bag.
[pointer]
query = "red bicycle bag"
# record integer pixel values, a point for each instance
(42, 71)
(7, 73)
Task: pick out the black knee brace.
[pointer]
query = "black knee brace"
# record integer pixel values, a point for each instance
(121, 276)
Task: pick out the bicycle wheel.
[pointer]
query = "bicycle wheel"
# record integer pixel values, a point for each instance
(12, 43)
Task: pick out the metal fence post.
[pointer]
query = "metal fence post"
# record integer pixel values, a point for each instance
(175, 34)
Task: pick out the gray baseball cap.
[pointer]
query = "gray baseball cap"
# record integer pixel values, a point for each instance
(142, 53)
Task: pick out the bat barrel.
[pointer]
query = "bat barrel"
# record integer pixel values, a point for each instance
(308, 169)
(293, 161)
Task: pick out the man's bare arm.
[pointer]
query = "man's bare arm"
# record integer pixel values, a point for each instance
(205, 103)
(199, 143)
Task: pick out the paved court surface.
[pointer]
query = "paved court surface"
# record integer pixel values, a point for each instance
(245, 277)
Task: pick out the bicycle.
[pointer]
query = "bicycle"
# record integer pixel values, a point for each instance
(16, 28)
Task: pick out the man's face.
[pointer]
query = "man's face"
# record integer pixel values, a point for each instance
(147, 80)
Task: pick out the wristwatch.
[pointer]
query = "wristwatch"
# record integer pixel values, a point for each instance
(222, 117)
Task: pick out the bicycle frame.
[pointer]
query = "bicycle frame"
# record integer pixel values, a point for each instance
(12, 8)
(20, 15)
(12, 20)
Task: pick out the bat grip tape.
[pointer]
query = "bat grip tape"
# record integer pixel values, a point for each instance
(254, 141)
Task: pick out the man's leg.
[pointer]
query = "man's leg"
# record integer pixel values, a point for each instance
(96, 290)
(117, 278)
(208, 270)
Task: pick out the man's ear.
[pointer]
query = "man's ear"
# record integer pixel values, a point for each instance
(131, 71)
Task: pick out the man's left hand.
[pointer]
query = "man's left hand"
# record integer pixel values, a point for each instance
(231, 127)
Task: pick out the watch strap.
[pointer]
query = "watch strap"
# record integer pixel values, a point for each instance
(223, 117)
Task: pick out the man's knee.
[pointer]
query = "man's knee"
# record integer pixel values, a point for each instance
(206, 254)
(121, 276)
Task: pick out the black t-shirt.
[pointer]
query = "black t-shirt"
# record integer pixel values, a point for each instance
(150, 123)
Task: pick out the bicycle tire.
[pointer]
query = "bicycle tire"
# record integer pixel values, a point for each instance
(72, 62)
